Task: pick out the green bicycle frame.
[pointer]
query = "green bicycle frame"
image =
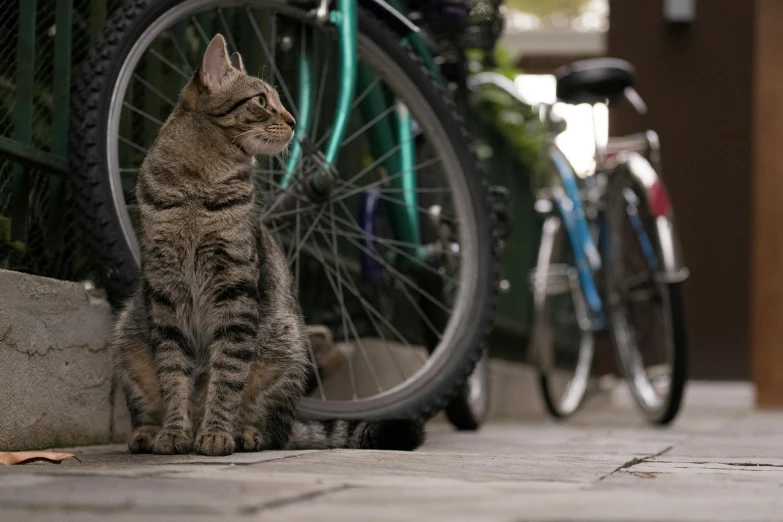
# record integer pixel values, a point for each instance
(346, 19)
(386, 134)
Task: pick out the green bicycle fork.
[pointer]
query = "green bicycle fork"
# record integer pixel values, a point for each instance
(388, 133)
(345, 18)
(305, 104)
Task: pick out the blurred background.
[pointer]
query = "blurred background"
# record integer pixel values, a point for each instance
(711, 73)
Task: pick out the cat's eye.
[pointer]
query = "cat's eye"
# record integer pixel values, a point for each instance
(260, 99)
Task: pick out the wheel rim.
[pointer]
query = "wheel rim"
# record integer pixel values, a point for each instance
(564, 348)
(640, 310)
(336, 217)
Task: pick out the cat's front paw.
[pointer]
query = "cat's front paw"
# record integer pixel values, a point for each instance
(249, 438)
(142, 439)
(215, 443)
(172, 442)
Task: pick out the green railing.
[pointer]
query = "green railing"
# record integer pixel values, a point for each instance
(43, 43)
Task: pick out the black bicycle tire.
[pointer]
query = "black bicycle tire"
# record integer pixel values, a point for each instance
(89, 178)
(680, 365)
(675, 294)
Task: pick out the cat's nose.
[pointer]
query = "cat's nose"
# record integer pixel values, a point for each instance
(290, 121)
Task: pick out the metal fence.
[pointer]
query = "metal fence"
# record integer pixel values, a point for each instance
(43, 43)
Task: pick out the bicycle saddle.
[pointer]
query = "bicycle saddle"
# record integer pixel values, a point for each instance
(594, 81)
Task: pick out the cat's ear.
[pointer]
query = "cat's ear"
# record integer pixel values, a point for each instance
(236, 61)
(215, 65)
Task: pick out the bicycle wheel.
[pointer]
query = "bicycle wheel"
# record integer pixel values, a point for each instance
(646, 314)
(562, 341)
(372, 328)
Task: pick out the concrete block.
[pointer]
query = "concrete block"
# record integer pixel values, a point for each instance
(55, 370)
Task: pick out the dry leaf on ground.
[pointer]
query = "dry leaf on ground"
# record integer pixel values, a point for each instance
(27, 457)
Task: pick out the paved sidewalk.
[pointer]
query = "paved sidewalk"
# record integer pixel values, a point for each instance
(715, 464)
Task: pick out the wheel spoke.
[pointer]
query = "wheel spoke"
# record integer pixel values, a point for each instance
(299, 247)
(391, 190)
(200, 30)
(291, 212)
(268, 171)
(369, 315)
(338, 264)
(346, 315)
(149, 86)
(369, 308)
(290, 254)
(385, 241)
(338, 294)
(128, 142)
(171, 65)
(273, 40)
(421, 313)
(180, 50)
(321, 89)
(270, 59)
(140, 112)
(414, 259)
(356, 189)
(377, 162)
(405, 279)
(289, 191)
(367, 126)
(301, 242)
(229, 35)
(278, 228)
(355, 104)
(317, 373)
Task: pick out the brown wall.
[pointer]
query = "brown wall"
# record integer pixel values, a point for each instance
(697, 81)
(767, 281)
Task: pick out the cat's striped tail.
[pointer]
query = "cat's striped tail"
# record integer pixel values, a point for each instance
(397, 434)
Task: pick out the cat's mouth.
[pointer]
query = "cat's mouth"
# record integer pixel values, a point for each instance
(266, 145)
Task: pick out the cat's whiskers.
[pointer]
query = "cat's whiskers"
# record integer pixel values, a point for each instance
(251, 129)
(250, 137)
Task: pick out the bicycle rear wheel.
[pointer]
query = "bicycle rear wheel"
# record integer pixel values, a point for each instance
(370, 354)
(562, 341)
(646, 314)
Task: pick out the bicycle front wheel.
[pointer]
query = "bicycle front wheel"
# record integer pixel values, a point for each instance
(361, 280)
(562, 342)
(646, 314)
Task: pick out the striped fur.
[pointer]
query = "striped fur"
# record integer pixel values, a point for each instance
(211, 351)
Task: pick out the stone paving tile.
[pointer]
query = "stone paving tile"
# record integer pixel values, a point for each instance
(711, 466)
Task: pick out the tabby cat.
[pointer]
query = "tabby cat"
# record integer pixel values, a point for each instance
(211, 351)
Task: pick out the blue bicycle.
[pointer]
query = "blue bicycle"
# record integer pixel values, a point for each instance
(609, 260)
